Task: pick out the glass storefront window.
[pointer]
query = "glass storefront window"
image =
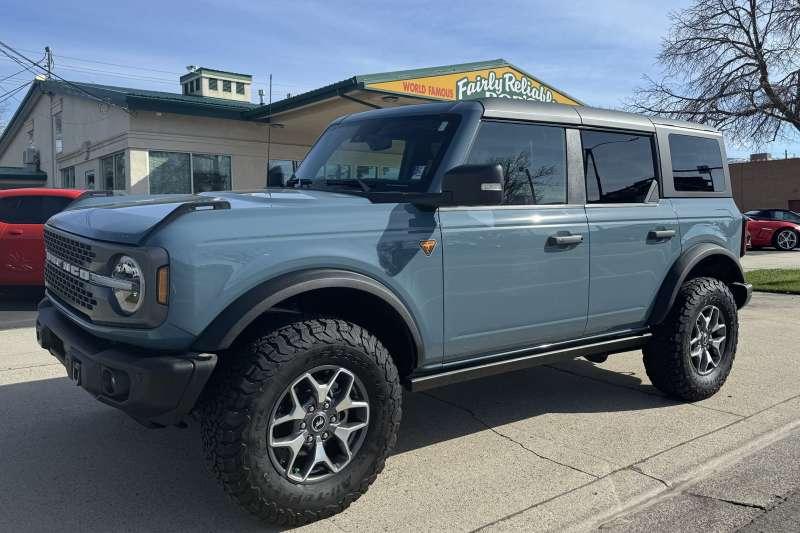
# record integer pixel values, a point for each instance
(211, 172)
(182, 173)
(112, 169)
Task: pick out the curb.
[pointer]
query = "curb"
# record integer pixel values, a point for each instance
(641, 484)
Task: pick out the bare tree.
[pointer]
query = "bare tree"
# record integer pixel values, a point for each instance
(734, 64)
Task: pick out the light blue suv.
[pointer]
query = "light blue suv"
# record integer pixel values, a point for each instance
(415, 246)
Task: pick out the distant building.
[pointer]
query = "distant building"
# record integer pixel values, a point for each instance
(763, 156)
(210, 136)
(767, 184)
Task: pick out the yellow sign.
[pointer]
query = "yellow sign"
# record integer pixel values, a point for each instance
(503, 82)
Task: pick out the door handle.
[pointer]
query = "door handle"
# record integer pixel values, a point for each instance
(15, 232)
(566, 240)
(662, 233)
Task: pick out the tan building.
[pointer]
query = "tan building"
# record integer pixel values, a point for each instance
(210, 136)
(767, 184)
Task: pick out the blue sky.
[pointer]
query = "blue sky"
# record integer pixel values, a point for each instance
(595, 51)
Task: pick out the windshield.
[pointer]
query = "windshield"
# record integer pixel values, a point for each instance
(382, 154)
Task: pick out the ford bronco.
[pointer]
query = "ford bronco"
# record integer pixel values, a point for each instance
(415, 246)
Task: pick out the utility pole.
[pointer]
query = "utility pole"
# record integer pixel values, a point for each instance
(269, 126)
(49, 55)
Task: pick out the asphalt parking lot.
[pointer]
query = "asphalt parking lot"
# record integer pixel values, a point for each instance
(559, 447)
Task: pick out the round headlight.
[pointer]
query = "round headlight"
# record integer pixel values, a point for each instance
(128, 270)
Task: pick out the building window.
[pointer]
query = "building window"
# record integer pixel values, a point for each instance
(212, 84)
(58, 133)
(197, 84)
(185, 88)
(696, 163)
(68, 178)
(89, 179)
(112, 169)
(620, 167)
(239, 87)
(211, 172)
(181, 173)
(534, 161)
(226, 86)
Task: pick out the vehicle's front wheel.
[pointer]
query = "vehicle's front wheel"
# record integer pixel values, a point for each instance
(786, 240)
(298, 423)
(692, 351)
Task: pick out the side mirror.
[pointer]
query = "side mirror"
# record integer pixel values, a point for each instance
(472, 185)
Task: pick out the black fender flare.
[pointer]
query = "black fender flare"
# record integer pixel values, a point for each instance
(680, 271)
(233, 320)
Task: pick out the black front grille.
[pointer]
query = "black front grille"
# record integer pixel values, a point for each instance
(69, 288)
(70, 250)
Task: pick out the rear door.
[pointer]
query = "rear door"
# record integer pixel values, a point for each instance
(633, 233)
(22, 240)
(516, 275)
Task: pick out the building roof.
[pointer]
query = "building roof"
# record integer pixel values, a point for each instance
(362, 81)
(127, 98)
(203, 71)
(22, 174)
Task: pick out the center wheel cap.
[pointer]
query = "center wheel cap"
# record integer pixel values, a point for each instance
(319, 422)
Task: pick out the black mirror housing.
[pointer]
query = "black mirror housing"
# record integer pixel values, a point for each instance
(473, 185)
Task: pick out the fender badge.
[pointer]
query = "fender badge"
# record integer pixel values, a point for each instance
(427, 246)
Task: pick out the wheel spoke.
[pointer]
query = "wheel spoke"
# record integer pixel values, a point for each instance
(319, 390)
(294, 443)
(320, 457)
(297, 412)
(344, 432)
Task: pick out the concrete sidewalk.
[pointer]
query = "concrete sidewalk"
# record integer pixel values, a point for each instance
(563, 447)
(757, 259)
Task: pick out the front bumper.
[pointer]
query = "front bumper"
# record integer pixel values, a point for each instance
(157, 389)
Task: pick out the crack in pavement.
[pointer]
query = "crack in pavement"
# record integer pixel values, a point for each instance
(507, 437)
(732, 502)
(638, 470)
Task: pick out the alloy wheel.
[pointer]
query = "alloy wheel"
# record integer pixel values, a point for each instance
(707, 344)
(786, 240)
(318, 424)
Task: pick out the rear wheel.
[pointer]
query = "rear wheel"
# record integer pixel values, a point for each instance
(692, 351)
(299, 422)
(786, 240)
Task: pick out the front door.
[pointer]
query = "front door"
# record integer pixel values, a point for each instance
(516, 275)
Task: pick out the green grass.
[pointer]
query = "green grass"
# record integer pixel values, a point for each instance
(781, 280)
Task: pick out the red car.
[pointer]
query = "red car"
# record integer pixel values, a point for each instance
(779, 228)
(23, 213)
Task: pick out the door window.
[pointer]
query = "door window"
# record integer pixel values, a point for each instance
(534, 161)
(22, 210)
(620, 167)
(696, 163)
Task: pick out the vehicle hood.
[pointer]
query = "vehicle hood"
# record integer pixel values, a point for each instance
(131, 219)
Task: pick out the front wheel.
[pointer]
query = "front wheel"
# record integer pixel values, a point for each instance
(692, 351)
(298, 423)
(786, 240)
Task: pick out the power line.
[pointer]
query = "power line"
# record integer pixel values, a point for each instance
(7, 95)
(69, 83)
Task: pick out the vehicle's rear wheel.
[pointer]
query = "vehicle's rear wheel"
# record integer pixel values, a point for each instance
(786, 240)
(298, 423)
(692, 351)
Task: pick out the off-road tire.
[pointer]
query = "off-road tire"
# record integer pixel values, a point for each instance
(666, 356)
(240, 398)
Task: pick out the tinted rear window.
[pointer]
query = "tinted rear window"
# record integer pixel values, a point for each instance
(696, 164)
(30, 209)
(620, 167)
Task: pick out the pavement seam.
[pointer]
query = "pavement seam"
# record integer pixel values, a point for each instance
(653, 394)
(636, 469)
(11, 368)
(507, 437)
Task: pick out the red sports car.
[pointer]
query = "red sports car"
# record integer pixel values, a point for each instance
(23, 213)
(779, 228)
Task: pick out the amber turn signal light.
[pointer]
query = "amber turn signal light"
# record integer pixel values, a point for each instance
(162, 285)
